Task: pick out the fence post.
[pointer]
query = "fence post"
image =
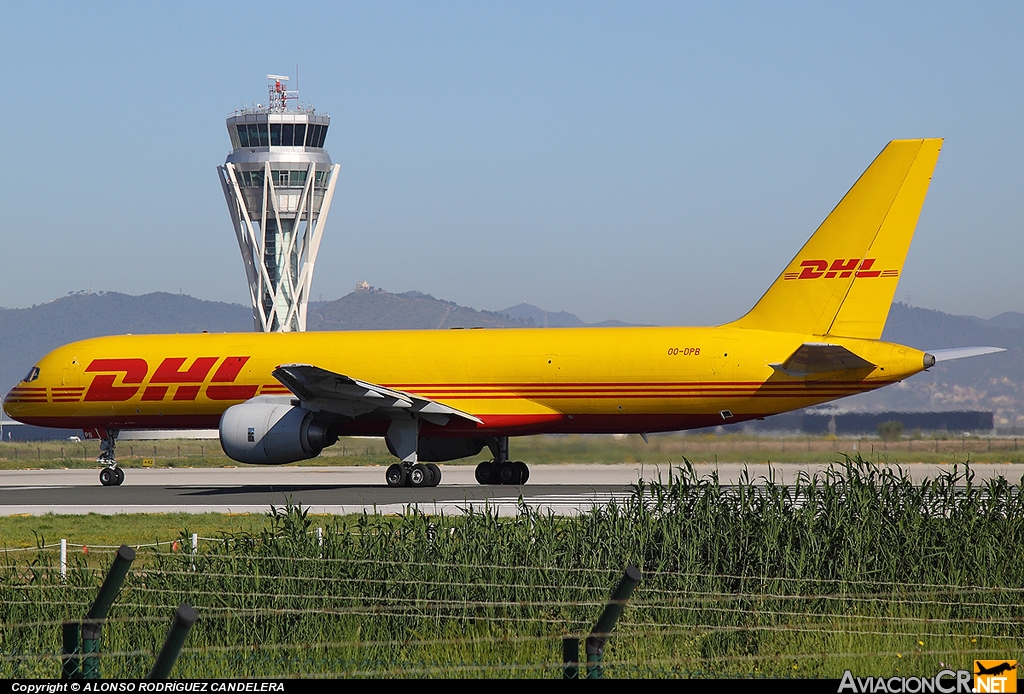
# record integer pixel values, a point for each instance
(69, 640)
(90, 649)
(571, 658)
(64, 561)
(195, 549)
(111, 584)
(606, 622)
(184, 617)
(91, 628)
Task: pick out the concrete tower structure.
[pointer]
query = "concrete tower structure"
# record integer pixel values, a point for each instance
(278, 182)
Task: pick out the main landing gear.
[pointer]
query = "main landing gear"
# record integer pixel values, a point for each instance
(111, 475)
(403, 439)
(418, 475)
(501, 470)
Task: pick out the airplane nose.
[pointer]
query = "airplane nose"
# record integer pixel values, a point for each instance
(8, 399)
(21, 397)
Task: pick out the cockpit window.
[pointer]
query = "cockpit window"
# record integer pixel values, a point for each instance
(33, 374)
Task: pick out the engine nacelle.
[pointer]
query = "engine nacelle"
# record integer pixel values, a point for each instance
(272, 433)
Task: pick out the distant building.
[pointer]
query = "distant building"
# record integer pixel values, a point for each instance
(838, 422)
(867, 422)
(12, 431)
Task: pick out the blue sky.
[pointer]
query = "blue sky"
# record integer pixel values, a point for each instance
(652, 162)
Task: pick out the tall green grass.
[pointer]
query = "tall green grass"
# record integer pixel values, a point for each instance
(858, 567)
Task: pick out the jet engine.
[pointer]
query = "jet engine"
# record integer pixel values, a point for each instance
(272, 433)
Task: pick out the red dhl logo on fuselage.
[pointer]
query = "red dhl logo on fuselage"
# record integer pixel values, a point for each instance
(186, 382)
(841, 268)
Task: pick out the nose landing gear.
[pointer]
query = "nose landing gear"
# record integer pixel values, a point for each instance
(111, 475)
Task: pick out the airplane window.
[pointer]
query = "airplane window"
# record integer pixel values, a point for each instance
(300, 134)
(33, 374)
(287, 132)
(243, 136)
(275, 134)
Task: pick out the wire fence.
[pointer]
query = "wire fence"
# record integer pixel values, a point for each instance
(856, 575)
(279, 629)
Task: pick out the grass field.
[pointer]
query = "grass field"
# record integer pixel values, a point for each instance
(860, 568)
(555, 449)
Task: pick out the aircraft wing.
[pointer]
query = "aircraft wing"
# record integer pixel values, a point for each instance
(821, 357)
(320, 389)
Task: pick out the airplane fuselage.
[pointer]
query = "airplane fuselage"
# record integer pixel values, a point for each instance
(516, 381)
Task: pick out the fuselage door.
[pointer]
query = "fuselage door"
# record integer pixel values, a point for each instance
(71, 375)
(551, 368)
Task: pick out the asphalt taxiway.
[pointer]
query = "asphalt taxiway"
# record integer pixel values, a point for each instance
(563, 489)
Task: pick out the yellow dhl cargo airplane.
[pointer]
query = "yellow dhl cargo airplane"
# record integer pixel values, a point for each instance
(441, 395)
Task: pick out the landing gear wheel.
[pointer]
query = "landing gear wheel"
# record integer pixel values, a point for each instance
(524, 472)
(435, 474)
(485, 473)
(419, 476)
(107, 477)
(396, 475)
(509, 473)
(118, 477)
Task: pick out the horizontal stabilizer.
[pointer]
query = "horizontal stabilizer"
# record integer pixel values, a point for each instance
(821, 357)
(332, 392)
(961, 353)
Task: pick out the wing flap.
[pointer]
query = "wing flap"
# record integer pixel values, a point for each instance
(821, 357)
(332, 392)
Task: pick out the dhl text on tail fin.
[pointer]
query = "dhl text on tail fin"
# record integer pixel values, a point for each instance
(442, 395)
(844, 278)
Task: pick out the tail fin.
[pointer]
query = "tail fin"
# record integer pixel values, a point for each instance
(842, 281)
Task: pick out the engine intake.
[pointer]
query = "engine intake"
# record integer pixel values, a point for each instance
(272, 433)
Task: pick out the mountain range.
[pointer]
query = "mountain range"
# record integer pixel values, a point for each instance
(993, 382)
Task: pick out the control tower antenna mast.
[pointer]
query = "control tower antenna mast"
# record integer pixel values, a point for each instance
(278, 181)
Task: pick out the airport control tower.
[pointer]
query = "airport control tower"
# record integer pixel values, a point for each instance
(278, 182)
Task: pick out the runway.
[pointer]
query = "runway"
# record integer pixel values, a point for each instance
(562, 489)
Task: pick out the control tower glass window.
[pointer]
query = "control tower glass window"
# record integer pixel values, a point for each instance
(315, 135)
(258, 135)
(300, 134)
(243, 136)
(275, 134)
(250, 179)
